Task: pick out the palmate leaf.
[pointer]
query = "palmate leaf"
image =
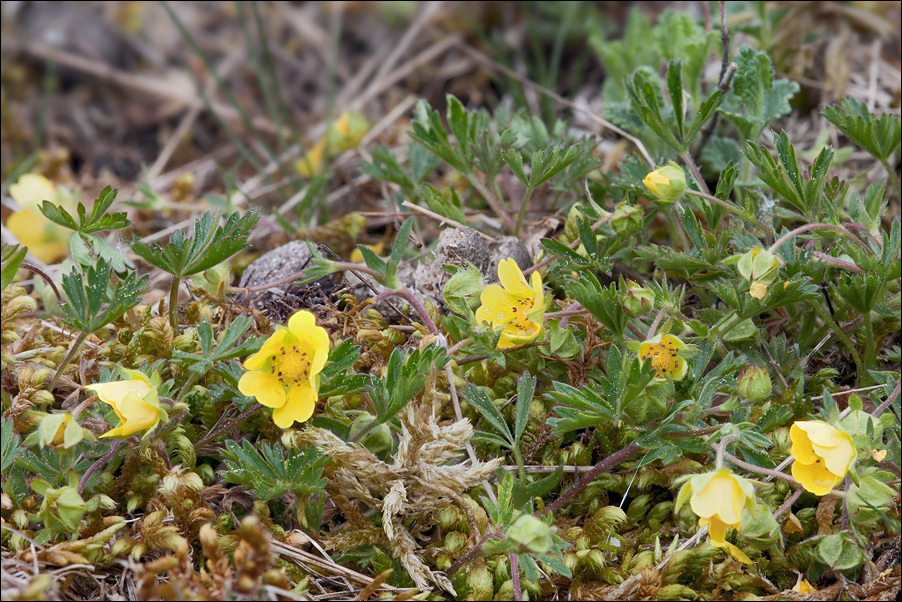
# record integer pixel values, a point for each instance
(878, 136)
(87, 305)
(405, 378)
(98, 221)
(270, 471)
(188, 256)
(225, 349)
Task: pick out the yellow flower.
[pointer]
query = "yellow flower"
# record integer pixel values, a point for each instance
(45, 240)
(344, 134)
(718, 498)
(515, 306)
(135, 401)
(662, 350)
(666, 184)
(823, 454)
(284, 374)
(879, 455)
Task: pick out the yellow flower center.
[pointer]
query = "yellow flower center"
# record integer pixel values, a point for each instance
(663, 357)
(292, 365)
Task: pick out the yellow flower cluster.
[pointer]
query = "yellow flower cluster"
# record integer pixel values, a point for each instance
(517, 307)
(284, 374)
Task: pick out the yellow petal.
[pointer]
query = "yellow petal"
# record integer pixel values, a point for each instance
(271, 347)
(815, 477)
(312, 338)
(298, 407)
(717, 529)
(822, 433)
(758, 290)
(46, 240)
(512, 279)
(139, 414)
(32, 190)
(802, 449)
(268, 390)
(498, 306)
(115, 392)
(719, 498)
(838, 458)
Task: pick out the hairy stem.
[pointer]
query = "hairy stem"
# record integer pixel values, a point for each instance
(106, 458)
(515, 575)
(621, 455)
(523, 204)
(752, 468)
(807, 227)
(173, 303)
(76, 345)
(414, 303)
(731, 208)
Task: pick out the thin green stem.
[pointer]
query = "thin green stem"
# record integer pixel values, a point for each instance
(732, 208)
(193, 378)
(76, 345)
(870, 353)
(842, 337)
(523, 205)
(818, 226)
(173, 302)
(521, 470)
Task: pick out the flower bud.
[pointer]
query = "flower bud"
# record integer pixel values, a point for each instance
(378, 440)
(530, 534)
(760, 268)
(666, 184)
(627, 219)
(637, 300)
(62, 509)
(754, 384)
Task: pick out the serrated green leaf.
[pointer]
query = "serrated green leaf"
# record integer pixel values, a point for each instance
(526, 388)
(479, 400)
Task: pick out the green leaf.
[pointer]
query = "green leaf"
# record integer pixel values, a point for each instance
(98, 221)
(11, 256)
(225, 349)
(878, 136)
(87, 304)
(760, 98)
(9, 445)
(270, 473)
(183, 256)
(526, 388)
(405, 377)
(675, 90)
(479, 400)
(600, 301)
